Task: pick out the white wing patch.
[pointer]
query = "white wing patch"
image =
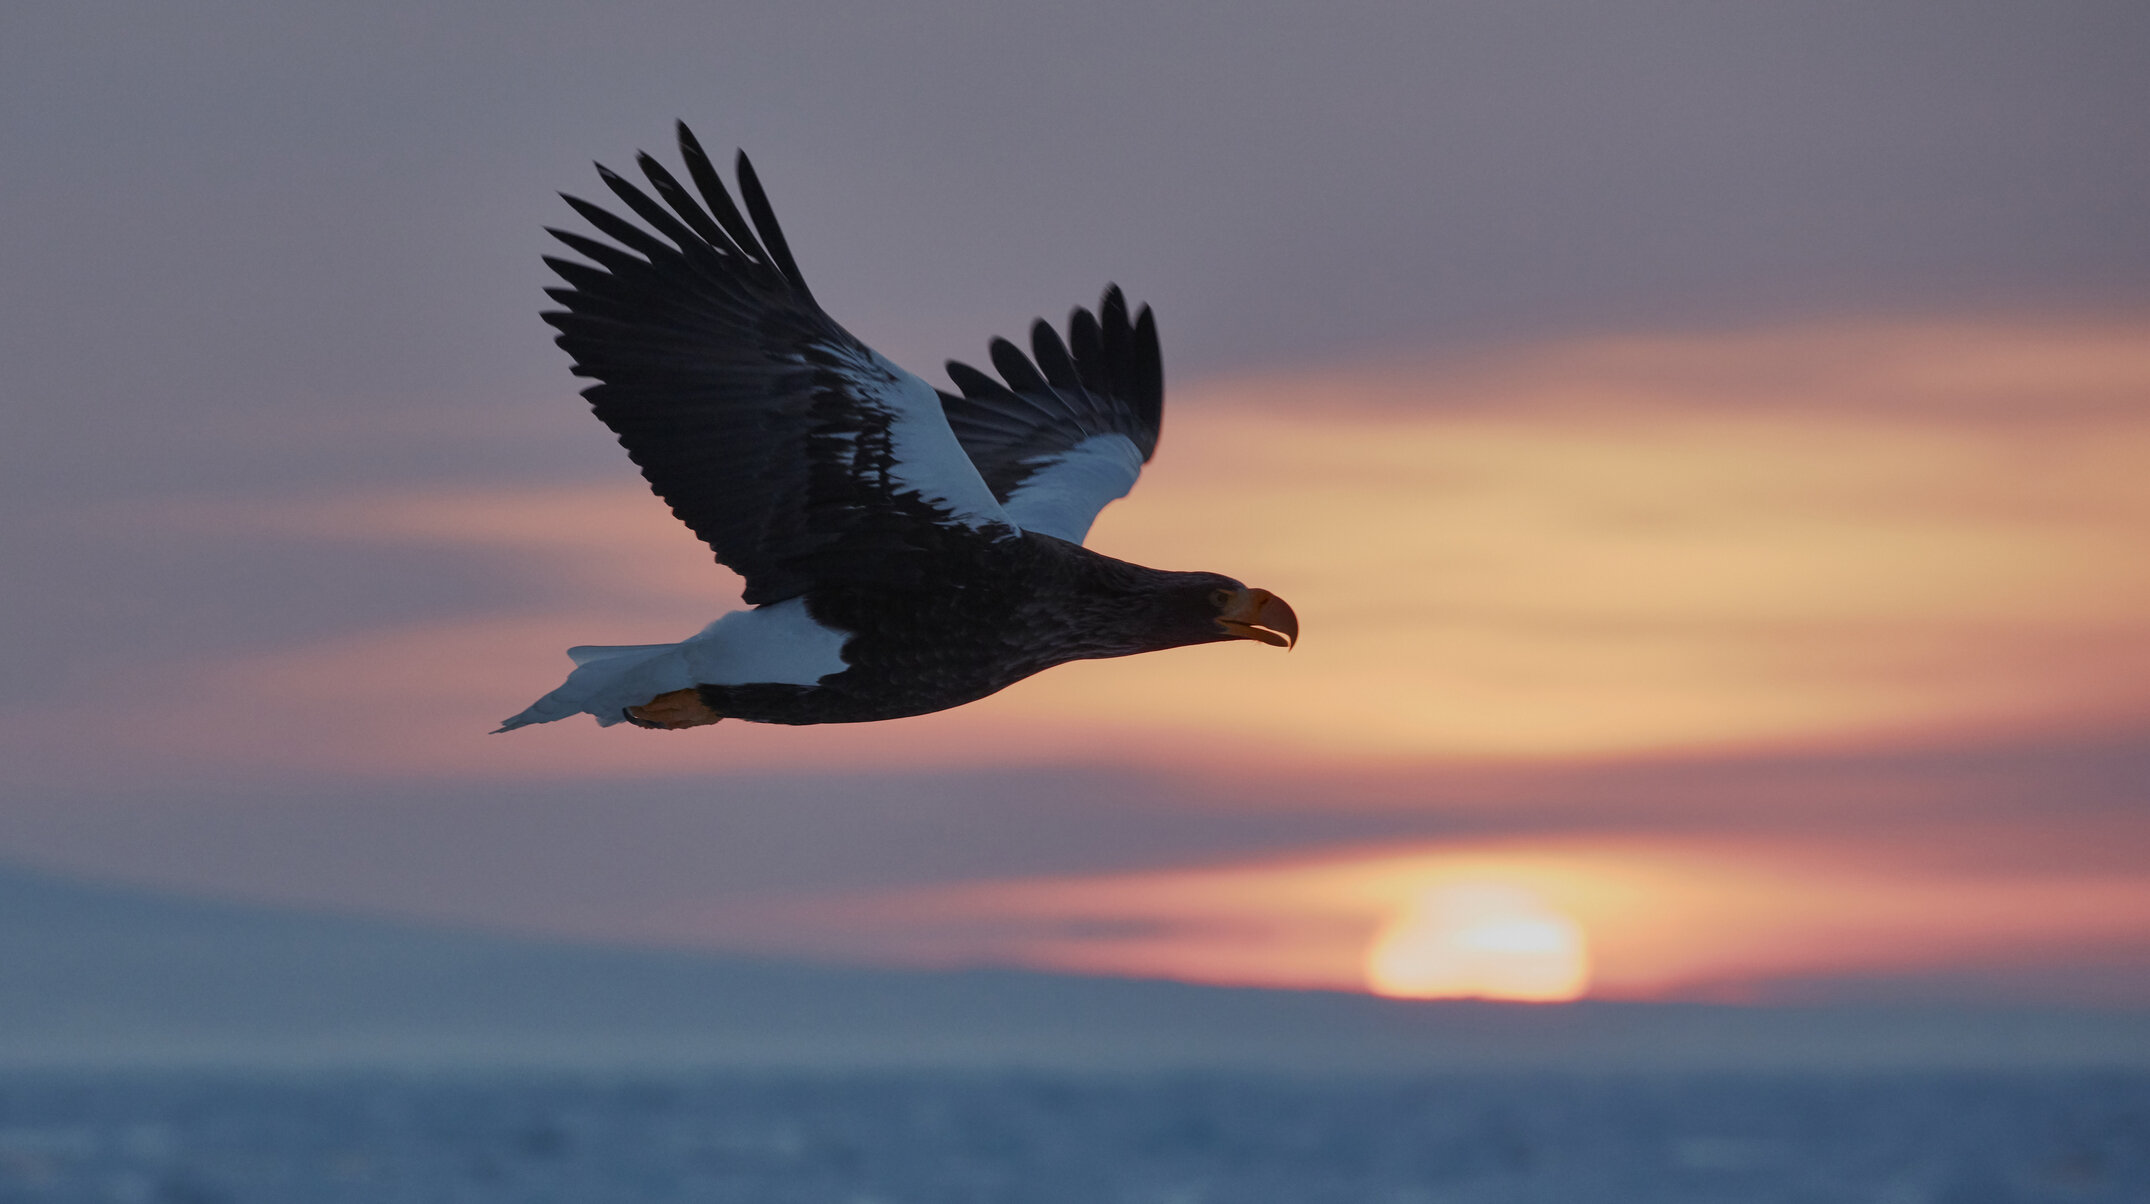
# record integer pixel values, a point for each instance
(1063, 496)
(778, 644)
(930, 461)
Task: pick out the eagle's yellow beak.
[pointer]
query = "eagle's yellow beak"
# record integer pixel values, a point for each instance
(1257, 614)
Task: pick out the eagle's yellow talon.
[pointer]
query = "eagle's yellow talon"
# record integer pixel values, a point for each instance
(678, 709)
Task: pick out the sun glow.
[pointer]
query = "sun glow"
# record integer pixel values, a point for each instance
(1641, 917)
(1479, 941)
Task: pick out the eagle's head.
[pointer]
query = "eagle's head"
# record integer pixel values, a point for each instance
(1207, 608)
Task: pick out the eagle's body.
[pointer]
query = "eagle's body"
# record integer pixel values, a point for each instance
(906, 550)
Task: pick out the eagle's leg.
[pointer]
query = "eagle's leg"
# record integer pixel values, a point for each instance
(678, 709)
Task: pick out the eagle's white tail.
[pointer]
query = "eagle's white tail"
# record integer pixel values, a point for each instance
(609, 678)
(779, 643)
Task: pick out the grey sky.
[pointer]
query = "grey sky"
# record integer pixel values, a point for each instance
(233, 228)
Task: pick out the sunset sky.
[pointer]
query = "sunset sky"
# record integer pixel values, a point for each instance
(1708, 449)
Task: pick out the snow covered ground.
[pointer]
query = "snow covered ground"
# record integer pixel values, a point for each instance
(945, 1138)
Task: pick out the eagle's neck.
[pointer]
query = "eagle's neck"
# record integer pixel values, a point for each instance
(1099, 607)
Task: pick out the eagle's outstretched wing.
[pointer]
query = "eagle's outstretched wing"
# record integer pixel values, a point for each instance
(1074, 422)
(797, 453)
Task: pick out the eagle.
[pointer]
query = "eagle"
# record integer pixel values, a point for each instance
(905, 550)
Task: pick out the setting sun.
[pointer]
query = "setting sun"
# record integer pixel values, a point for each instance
(1479, 941)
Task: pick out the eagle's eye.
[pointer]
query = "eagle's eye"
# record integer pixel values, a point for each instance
(1220, 598)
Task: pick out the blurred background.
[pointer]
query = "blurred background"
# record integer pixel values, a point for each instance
(1706, 446)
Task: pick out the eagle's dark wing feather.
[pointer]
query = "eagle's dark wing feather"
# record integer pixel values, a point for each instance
(1067, 428)
(797, 453)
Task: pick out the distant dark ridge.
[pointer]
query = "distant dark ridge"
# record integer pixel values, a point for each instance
(94, 975)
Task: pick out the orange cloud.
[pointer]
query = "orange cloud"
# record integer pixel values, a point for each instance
(1566, 554)
(1593, 548)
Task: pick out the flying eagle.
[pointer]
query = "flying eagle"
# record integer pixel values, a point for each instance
(904, 550)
